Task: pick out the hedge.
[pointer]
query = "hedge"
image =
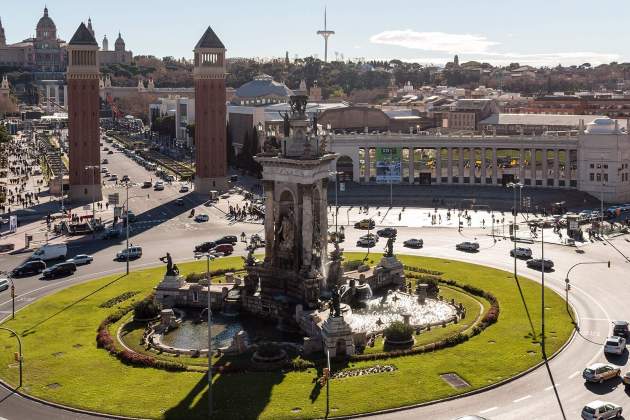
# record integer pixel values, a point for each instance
(105, 341)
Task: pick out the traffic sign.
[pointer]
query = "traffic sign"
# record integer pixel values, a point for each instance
(113, 199)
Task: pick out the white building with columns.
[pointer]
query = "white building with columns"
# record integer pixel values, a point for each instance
(562, 160)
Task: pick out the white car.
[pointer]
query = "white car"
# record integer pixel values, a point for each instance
(81, 259)
(201, 218)
(615, 345)
(521, 252)
(596, 410)
(159, 186)
(467, 246)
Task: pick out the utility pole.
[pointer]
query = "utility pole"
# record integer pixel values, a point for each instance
(127, 222)
(542, 292)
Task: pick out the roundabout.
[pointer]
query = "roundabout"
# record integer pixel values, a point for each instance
(504, 349)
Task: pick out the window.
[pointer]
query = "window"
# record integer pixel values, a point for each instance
(605, 166)
(591, 176)
(599, 177)
(592, 165)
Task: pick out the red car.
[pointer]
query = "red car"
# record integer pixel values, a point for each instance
(227, 249)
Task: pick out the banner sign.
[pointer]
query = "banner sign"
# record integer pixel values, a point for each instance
(388, 164)
(12, 223)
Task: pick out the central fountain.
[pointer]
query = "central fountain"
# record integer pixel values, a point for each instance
(298, 287)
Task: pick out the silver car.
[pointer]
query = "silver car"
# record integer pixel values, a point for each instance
(596, 410)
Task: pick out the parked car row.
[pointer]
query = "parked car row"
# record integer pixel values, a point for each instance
(601, 372)
(223, 246)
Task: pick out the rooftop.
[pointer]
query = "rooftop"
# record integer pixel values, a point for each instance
(209, 40)
(83, 36)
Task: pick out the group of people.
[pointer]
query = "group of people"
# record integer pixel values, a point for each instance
(245, 211)
(22, 161)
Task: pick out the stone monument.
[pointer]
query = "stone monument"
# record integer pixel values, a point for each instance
(168, 290)
(296, 222)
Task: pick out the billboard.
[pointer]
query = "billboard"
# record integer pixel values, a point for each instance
(388, 164)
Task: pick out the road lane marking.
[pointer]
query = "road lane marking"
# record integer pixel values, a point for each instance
(522, 399)
(574, 374)
(488, 410)
(549, 388)
(595, 319)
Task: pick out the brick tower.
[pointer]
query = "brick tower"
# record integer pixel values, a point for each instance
(83, 117)
(210, 110)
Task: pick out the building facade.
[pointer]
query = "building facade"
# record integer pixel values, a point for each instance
(119, 55)
(46, 52)
(552, 161)
(183, 109)
(43, 53)
(210, 108)
(83, 117)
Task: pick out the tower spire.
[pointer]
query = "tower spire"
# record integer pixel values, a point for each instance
(325, 34)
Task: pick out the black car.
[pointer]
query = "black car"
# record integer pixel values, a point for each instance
(58, 270)
(387, 232)
(205, 247)
(29, 268)
(537, 264)
(228, 239)
(620, 328)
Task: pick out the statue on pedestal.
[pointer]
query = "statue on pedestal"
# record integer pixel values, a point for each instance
(335, 302)
(171, 270)
(389, 248)
(286, 232)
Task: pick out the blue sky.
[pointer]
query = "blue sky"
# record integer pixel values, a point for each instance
(538, 32)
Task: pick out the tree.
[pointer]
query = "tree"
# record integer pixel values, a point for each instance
(136, 105)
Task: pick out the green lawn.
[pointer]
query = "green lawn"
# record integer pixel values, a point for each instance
(59, 345)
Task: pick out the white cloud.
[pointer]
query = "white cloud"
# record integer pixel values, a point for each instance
(478, 48)
(434, 41)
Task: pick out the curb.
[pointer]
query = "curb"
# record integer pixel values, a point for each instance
(24, 395)
(466, 394)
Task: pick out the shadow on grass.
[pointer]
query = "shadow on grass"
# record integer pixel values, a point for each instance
(30, 329)
(234, 396)
(529, 317)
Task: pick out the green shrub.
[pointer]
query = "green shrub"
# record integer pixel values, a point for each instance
(352, 265)
(146, 308)
(268, 349)
(398, 331)
(118, 299)
(300, 364)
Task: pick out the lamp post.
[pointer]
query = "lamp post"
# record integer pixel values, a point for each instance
(92, 168)
(514, 213)
(19, 350)
(8, 273)
(126, 210)
(601, 195)
(568, 282)
(208, 258)
(336, 174)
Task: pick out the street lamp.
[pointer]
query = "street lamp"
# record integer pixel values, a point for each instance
(8, 273)
(601, 196)
(568, 283)
(126, 210)
(208, 258)
(19, 355)
(514, 213)
(336, 174)
(92, 168)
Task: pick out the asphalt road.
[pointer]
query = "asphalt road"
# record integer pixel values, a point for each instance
(599, 295)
